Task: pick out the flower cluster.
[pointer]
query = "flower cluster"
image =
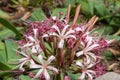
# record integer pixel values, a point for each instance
(53, 47)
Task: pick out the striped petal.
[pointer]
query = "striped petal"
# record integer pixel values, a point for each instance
(22, 59)
(21, 65)
(34, 49)
(50, 59)
(79, 64)
(69, 32)
(38, 73)
(92, 47)
(24, 54)
(70, 36)
(54, 34)
(90, 77)
(79, 53)
(87, 59)
(64, 30)
(47, 76)
(91, 71)
(31, 38)
(27, 45)
(61, 43)
(56, 28)
(32, 66)
(53, 69)
(41, 59)
(92, 55)
(82, 76)
(35, 32)
(45, 35)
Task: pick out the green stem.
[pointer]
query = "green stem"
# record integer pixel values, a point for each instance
(61, 75)
(117, 33)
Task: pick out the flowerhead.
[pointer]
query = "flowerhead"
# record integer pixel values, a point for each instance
(44, 66)
(86, 71)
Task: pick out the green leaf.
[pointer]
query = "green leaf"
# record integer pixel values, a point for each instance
(4, 66)
(4, 74)
(73, 76)
(113, 37)
(91, 6)
(104, 30)
(108, 55)
(11, 47)
(2, 53)
(5, 33)
(72, 2)
(3, 61)
(8, 78)
(10, 26)
(100, 8)
(25, 77)
(15, 2)
(56, 11)
(48, 47)
(85, 8)
(38, 15)
(3, 14)
(35, 58)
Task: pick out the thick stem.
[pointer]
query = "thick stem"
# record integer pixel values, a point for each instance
(73, 51)
(43, 46)
(61, 75)
(91, 22)
(68, 13)
(76, 16)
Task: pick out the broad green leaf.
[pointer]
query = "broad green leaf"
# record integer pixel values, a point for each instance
(38, 15)
(73, 76)
(10, 26)
(113, 37)
(72, 2)
(25, 77)
(11, 47)
(4, 74)
(101, 9)
(3, 14)
(35, 58)
(2, 53)
(91, 6)
(4, 66)
(8, 78)
(49, 48)
(15, 2)
(104, 30)
(12, 57)
(57, 11)
(5, 33)
(108, 55)
(3, 61)
(85, 8)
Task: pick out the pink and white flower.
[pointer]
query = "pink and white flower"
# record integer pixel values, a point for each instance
(62, 35)
(86, 71)
(24, 60)
(33, 42)
(87, 48)
(43, 66)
